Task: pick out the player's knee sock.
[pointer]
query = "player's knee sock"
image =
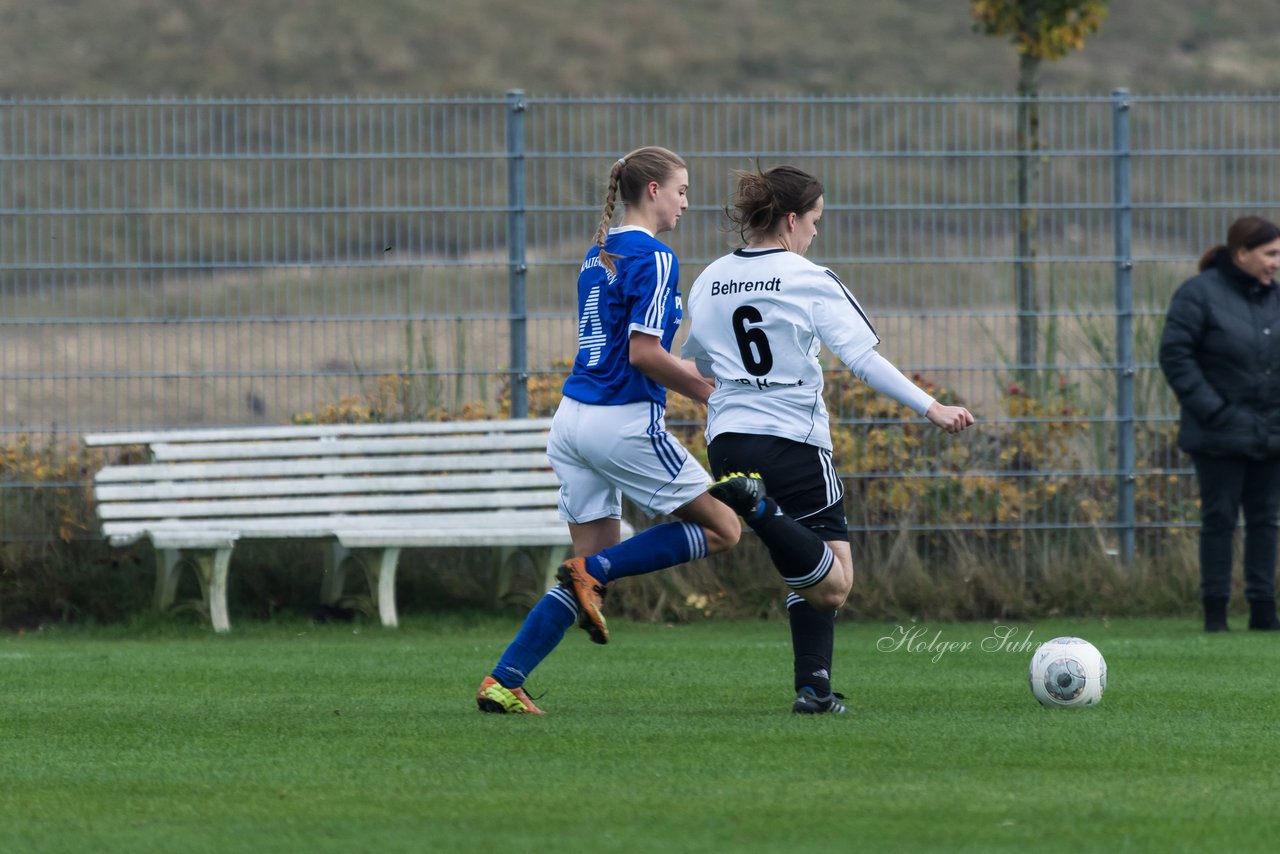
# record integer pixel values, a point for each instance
(801, 557)
(813, 635)
(541, 631)
(656, 548)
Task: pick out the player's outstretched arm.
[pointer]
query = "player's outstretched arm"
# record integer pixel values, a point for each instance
(879, 373)
(648, 356)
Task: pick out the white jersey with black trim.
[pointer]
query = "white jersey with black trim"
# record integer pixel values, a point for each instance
(760, 318)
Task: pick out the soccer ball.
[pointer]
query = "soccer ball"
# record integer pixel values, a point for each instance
(1067, 673)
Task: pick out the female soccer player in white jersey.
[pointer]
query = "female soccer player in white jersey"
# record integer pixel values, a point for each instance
(608, 437)
(760, 316)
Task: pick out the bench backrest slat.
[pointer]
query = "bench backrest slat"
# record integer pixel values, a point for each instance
(324, 526)
(326, 505)
(323, 468)
(167, 451)
(315, 431)
(182, 490)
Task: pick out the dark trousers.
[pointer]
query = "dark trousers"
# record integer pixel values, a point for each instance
(1227, 485)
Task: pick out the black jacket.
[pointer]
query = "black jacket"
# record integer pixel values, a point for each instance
(1220, 353)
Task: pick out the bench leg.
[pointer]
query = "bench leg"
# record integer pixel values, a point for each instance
(381, 574)
(212, 572)
(551, 560)
(545, 562)
(334, 580)
(506, 557)
(168, 569)
(382, 583)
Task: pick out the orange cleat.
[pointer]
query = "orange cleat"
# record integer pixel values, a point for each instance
(573, 575)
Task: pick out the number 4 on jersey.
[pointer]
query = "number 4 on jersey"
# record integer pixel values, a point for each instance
(591, 335)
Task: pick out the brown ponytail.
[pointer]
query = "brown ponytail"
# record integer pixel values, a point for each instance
(762, 199)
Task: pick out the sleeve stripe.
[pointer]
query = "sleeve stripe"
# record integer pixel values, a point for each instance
(657, 304)
(853, 302)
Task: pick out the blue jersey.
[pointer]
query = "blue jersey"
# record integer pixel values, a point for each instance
(642, 296)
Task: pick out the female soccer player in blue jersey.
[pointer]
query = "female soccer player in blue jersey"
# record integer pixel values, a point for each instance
(608, 437)
(760, 317)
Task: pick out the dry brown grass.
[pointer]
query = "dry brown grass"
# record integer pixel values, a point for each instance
(274, 47)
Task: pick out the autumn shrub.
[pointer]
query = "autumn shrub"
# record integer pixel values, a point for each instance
(52, 566)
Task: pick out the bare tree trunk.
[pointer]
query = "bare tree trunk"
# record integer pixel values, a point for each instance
(1028, 140)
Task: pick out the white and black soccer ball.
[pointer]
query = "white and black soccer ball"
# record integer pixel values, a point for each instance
(1067, 673)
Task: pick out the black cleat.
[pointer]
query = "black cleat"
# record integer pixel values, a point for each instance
(809, 703)
(742, 492)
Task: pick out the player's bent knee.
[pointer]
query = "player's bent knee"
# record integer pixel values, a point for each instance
(723, 538)
(830, 594)
(719, 523)
(827, 600)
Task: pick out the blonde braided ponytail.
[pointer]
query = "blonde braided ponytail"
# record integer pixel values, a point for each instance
(606, 217)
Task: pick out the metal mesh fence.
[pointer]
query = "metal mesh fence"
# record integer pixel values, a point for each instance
(220, 262)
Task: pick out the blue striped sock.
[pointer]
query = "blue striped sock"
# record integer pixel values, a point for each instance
(541, 632)
(657, 548)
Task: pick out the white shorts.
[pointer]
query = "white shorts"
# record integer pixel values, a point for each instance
(601, 453)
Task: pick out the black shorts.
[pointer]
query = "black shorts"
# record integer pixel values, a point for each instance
(800, 477)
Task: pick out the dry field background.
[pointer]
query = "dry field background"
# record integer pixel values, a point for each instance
(237, 349)
(117, 375)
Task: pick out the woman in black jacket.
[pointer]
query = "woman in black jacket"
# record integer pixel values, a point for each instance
(1220, 353)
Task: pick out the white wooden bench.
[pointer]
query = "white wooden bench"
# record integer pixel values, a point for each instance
(370, 489)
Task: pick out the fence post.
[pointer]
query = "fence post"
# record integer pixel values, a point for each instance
(1126, 475)
(517, 263)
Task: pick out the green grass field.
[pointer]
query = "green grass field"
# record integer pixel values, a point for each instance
(338, 738)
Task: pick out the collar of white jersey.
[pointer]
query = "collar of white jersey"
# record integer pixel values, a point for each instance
(748, 252)
(623, 229)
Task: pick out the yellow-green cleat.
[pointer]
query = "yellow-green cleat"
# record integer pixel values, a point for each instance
(496, 698)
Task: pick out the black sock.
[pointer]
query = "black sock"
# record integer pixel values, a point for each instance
(813, 636)
(796, 551)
